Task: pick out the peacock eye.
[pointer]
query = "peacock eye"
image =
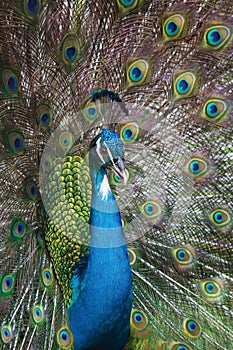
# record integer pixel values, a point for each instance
(47, 277)
(32, 8)
(18, 229)
(221, 217)
(132, 256)
(127, 5)
(173, 27)
(212, 289)
(139, 319)
(6, 334)
(183, 256)
(37, 314)
(66, 140)
(31, 190)
(16, 143)
(70, 50)
(104, 151)
(185, 84)
(217, 37)
(192, 328)
(152, 210)
(65, 338)
(216, 110)
(90, 111)
(137, 72)
(129, 132)
(10, 82)
(7, 284)
(199, 167)
(44, 116)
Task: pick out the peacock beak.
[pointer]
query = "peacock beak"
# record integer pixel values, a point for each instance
(119, 169)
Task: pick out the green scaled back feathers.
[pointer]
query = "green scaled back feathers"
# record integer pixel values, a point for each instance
(69, 192)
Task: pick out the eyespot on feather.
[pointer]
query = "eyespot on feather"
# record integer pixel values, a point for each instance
(185, 84)
(66, 140)
(10, 83)
(217, 37)
(221, 217)
(18, 229)
(127, 5)
(16, 143)
(30, 190)
(173, 27)
(199, 167)
(37, 314)
(212, 289)
(6, 334)
(216, 110)
(137, 71)
(184, 256)
(7, 284)
(47, 277)
(32, 8)
(139, 323)
(129, 132)
(132, 256)
(40, 238)
(90, 111)
(71, 50)
(192, 328)
(46, 164)
(44, 116)
(65, 338)
(152, 210)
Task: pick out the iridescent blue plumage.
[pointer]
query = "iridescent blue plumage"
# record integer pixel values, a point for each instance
(102, 290)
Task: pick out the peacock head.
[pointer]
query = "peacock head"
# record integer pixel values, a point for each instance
(107, 152)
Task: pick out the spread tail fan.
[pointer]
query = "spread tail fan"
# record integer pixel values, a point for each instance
(116, 116)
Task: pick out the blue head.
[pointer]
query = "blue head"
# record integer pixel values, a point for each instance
(107, 152)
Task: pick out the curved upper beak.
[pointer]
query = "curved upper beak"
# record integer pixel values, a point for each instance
(119, 169)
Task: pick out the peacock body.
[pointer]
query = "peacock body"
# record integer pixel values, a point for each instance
(106, 285)
(116, 175)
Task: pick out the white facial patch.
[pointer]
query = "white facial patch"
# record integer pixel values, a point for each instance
(98, 146)
(104, 188)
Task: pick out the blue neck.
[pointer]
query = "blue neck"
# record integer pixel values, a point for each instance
(102, 299)
(105, 220)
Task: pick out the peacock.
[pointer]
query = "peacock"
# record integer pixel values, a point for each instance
(116, 175)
